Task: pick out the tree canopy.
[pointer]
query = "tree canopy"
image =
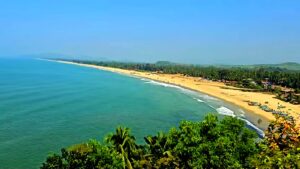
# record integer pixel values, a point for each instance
(274, 75)
(211, 143)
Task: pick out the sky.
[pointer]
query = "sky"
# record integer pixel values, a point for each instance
(184, 31)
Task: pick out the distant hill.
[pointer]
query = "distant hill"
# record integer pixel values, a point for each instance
(164, 63)
(287, 65)
(284, 66)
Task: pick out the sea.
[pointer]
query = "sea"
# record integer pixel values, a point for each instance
(45, 106)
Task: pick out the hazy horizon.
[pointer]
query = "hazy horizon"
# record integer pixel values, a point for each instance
(91, 58)
(199, 32)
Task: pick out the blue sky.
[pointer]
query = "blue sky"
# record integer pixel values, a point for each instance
(189, 31)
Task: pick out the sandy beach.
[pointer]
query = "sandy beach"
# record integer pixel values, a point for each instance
(216, 89)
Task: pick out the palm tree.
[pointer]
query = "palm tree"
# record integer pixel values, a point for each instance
(124, 143)
(157, 144)
(160, 153)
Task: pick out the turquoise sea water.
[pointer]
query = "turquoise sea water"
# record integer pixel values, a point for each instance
(45, 106)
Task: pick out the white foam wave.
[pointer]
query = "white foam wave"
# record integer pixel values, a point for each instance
(187, 91)
(199, 100)
(242, 113)
(163, 84)
(211, 106)
(221, 110)
(258, 130)
(208, 97)
(225, 111)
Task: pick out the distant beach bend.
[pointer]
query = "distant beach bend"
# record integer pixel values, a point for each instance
(217, 89)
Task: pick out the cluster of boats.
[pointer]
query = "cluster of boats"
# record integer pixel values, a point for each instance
(268, 109)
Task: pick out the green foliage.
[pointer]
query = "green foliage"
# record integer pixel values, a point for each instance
(207, 144)
(257, 79)
(281, 147)
(213, 144)
(88, 155)
(277, 76)
(287, 65)
(124, 143)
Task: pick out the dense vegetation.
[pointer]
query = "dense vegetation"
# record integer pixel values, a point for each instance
(268, 79)
(276, 76)
(287, 65)
(210, 143)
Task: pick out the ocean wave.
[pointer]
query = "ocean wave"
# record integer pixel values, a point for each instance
(187, 91)
(199, 100)
(183, 90)
(163, 84)
(242, 113)
(258, 130)
(225, 111)
(211, 106)
(209, 97)
(221, 110)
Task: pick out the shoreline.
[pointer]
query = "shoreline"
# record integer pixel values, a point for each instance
(215, 89)
(226, 104)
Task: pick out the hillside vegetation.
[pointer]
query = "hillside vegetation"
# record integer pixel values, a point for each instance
(292, 66)
(210, 143)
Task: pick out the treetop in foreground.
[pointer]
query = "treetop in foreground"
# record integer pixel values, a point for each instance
(211, 143)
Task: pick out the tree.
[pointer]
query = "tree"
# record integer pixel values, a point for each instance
(160, 152)
(211, 143)
(281, 147)
(124, 143)
(88, 155)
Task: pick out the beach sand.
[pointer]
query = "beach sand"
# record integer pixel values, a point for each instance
(216, 89)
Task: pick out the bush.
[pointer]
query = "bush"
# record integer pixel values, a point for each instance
(207, 144)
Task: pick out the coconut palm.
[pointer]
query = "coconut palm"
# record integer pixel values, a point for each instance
(124, 143)
(160, 151)
(157, 144)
